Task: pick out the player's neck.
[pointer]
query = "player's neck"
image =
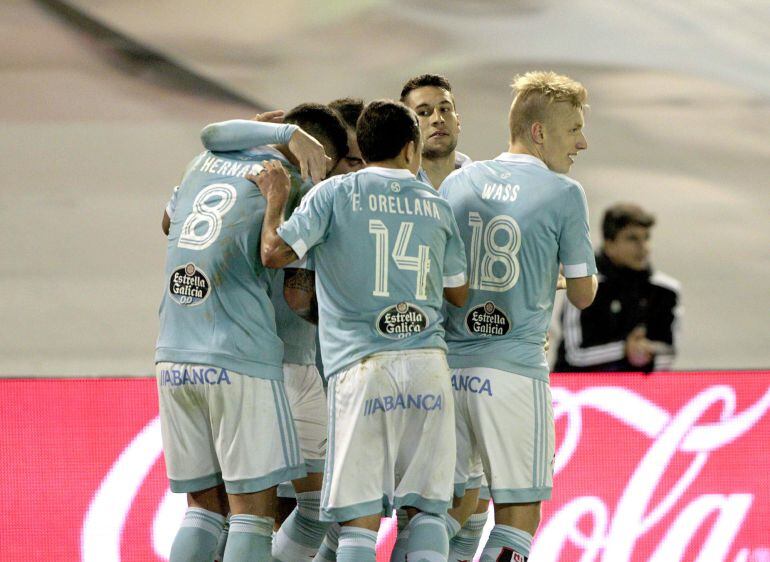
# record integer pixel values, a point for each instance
(284, 149)
(516, 147)
(393, 163)
(437, 169)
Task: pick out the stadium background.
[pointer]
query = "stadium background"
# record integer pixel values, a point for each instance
(102, 102)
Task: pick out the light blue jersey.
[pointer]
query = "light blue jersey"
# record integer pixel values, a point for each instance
(216, 307)
(297, 335)
(461, 160)
(384, 246)
(519, 221)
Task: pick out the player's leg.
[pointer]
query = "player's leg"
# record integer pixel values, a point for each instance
(519, 463)
(191, 465)
(358, 476)
(328, 550)
(398, 554)
(426, 458)
(257, 447)
(463, 545)
(302, 533)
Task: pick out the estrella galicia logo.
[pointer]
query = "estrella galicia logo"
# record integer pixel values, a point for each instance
(487, 320)
(401, 321)
(188, 285)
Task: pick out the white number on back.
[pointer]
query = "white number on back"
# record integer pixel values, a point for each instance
(482, 274)
(419, 263)
(207, 216)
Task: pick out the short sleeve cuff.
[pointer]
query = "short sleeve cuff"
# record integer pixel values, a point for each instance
(284, 133)
(452, 281)
(576, 270)
(298, 264)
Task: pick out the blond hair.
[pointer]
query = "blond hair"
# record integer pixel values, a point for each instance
(535, 92)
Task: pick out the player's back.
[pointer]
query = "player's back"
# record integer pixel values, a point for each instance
(513, 214)
(216, 308)
(381, 267)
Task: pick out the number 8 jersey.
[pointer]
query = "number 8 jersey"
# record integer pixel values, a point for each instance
(384, 247)
(519, 221)
(216, 308)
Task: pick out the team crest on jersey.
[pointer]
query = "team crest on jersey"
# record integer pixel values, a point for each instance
(487, 320)
(401, 321)
(188, 285)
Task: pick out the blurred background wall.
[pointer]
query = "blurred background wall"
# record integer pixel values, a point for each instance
(101, 103)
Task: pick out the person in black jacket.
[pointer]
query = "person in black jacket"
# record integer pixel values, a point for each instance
(632, 324)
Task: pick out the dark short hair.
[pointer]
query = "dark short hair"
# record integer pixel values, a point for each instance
(621, 215)
(384, 128)
(425, 80)
(349, 109)
(323, 124)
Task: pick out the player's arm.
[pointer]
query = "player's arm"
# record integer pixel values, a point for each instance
(581, 291)
(241, 134)
(456, 295)
(165, 223)
(273, 182)
(299, 293)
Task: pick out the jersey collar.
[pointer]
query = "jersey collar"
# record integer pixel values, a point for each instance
(396, 173)
(521, 159)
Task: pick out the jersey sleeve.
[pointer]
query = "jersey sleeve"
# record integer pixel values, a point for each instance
(575, 250)
(455, 264)
(171, 205)
(241, 134)
(310, 222)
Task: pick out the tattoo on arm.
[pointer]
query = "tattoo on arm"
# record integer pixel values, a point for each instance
(302, 281)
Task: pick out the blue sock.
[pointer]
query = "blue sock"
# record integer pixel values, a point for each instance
(302, 533)
(402, 538)
(356, 545)
(428, 540)
(328, 550)
(219, 553)
(507, 540)
(452, 526)
(464, 544)
(196, 540)
(249, 539)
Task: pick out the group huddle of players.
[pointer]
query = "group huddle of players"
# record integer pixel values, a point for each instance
(427, 282)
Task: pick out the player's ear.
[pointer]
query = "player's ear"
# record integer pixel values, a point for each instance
(536, 132)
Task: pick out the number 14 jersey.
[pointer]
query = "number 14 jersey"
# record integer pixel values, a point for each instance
(384, 247)
(519, 221)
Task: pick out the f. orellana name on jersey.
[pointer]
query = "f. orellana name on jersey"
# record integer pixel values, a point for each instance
(392, 205)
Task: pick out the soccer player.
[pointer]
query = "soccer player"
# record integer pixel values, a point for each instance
(430, 96)
(385, 246)
(227, 430)
(520, 218)
(301, 533)
(349, 110)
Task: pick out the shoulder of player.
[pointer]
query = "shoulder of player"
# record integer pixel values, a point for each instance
(567, 183)
(664, 281)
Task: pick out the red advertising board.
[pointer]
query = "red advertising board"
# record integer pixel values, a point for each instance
(657, 468)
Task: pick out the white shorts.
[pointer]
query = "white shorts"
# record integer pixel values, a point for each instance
(391, 436)
(505, 430)
(219, 426)
(305, 391)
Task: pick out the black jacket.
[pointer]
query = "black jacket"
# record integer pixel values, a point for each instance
(594, 339)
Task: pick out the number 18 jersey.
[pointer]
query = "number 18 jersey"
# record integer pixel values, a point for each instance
(216, 307)
(384, 246)
(519, 221)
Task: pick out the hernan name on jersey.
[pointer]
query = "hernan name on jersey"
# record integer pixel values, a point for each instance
(487, 320)
(188, 285)
(401, 321)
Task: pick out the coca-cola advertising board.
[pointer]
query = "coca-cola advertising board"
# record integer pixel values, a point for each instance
(665, 467)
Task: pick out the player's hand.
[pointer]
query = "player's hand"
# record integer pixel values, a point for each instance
(275, 116)
(273, 181)
(547, 345)
(313, 162)
(639, 350)
(561, 283)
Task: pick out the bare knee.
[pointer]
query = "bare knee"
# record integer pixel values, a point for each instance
(212, 499)
(524, 516)
(262, 504)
